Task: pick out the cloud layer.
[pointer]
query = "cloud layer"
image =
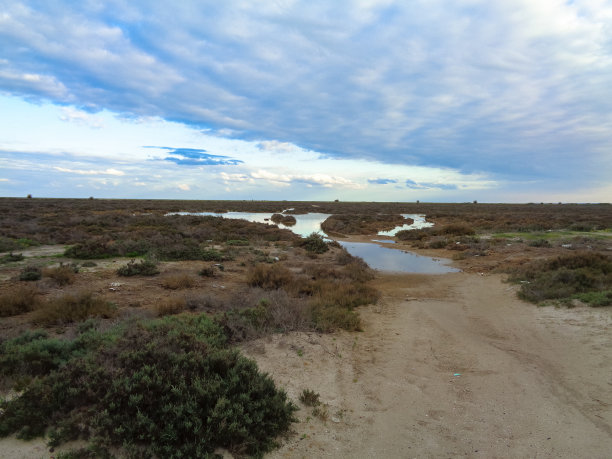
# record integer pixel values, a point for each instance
(516, 91)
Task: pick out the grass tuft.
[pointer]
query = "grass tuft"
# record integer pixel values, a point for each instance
(18, 300)
(170, 306)
(62, 275)
(310, 398)
(178, 281)
(269, 276)
(72, 307)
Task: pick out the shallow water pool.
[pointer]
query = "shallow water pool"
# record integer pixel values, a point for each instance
(385, 259)
(378, 257)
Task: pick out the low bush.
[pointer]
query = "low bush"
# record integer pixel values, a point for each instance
(539, 243)
(212, 255)
(142, 268)
(30, 273)
(331, 318)
(207, 271)
(438, 244)
(72, 307)
(237, 242)
(287, 220)
(18, 300)
(62, 274)
(363, 223)
(11, 257)
(314, 243)
(413, 235)
(565, 276)
(596, 299)
(273, 312)
(343, 294)
(169, 306)
(269, 276)
(163, 388)
(92, 249)
(178, 281)
(310, 398)
(456, 229)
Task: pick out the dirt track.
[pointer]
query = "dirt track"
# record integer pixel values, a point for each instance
(452, 366)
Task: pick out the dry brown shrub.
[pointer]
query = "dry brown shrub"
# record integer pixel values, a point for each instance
(62, 275)
(287, 314)
(73, 307)
(172, 305)
(344, 294)
(178, 281)
(269, 277)
(19, 300)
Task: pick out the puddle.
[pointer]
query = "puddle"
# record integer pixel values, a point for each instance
(305, 225)
(378, 257)
(419, 222)
(385, 259)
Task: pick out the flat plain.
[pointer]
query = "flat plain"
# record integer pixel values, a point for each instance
(493, 361)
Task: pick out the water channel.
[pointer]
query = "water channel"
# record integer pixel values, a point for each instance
(377, 256)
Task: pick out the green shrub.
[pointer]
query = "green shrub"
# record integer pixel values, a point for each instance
(309, 398)
(456, 229)
(314, 244)
(539, 243)
(161, 388)
(596, 299)
(237, 242)
(211, 255)
(329, 318)
(11, 257)
(92, 249)
(413, 235)
(565, 276)
(30, 273)
(142, 268)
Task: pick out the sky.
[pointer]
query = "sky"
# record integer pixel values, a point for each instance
(363, 100)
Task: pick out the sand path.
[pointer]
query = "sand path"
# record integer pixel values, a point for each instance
(449, 366)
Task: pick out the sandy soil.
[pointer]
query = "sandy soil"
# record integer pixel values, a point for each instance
(449, 366)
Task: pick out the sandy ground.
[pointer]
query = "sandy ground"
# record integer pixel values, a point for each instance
(451, 366)
(448, 365)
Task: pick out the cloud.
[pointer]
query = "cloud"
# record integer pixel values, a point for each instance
(284, 180)
(73, 115)
(90, 172)
(276, 146)
(511, 89)
(184, 187)
(381, 181)
(235, 177)
(429, 186)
